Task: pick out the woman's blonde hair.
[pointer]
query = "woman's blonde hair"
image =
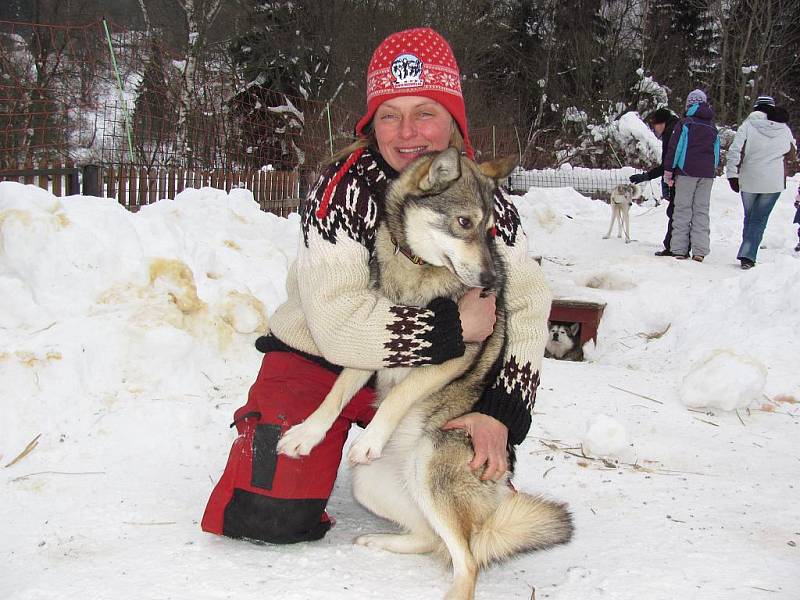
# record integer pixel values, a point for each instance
(369, 141)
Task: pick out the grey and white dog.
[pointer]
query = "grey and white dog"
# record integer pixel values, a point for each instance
(622, 196)
(439, 211)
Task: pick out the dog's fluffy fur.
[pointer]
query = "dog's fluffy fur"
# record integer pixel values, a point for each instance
(421, 480)
(563, 342)
(622, 196)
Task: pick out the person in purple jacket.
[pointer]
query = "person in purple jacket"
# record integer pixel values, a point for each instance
(690, 165)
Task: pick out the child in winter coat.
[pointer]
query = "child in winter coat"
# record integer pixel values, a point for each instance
(690, 165)
(755, 168)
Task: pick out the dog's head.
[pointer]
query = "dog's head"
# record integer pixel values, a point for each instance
(560, 332)
(442, 208)
(625, 193)
(562, 338)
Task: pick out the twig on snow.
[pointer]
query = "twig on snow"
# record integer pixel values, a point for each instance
(22, 477)
(635, 394)
(608, 464)
(28, 449)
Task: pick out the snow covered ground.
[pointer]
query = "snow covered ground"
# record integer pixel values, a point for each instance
(126, 342)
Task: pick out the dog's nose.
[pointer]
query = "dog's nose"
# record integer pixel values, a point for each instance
(555, 337)
(488, 279)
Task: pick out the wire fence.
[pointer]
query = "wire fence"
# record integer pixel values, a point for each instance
(597, 183)
(98, 94)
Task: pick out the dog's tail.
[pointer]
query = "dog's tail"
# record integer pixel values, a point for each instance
(521, 523)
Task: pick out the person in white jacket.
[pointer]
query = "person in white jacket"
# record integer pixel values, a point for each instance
(755, 167)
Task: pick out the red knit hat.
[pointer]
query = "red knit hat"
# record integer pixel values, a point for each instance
(416, 62)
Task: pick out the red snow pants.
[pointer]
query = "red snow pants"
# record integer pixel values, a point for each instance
(269, 497)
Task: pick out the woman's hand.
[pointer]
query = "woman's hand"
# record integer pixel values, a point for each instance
(489, 440)
(477, 314)
(668, 179)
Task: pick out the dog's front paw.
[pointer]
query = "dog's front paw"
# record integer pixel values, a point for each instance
(605, 237)
(301, 439)
(366, 449)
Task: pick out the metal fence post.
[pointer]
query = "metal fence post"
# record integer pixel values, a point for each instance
(330, 126)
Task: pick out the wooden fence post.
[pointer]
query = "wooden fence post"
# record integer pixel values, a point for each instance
(43, 183)
(111, 188)
(55, 187)
(132, 204)
(122, 181)
(152, 186)
(73, 182)
(92, 180)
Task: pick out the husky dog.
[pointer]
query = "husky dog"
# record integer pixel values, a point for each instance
(563, 342)
(622, 196)
(438, 213)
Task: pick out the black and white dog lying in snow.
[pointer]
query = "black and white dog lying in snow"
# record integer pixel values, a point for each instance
(563, 342)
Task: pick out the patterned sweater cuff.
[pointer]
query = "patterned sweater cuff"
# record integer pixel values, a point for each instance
(509, 409)
(445, 336)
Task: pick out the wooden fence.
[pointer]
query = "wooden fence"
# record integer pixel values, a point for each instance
(61, 179)
(275, 191)
(133, 187)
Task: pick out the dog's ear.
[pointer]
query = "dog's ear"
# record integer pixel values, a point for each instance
(443, 170)
(499, 168)
(573, 329)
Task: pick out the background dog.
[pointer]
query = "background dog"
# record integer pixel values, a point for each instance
(622, 196)
(563, 341)
(435, 240)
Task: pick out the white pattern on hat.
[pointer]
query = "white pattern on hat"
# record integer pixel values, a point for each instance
(695, 97)
(761, 100)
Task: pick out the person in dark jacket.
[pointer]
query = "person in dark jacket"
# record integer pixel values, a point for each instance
(797, 219)
(690, 166)
(662, 121)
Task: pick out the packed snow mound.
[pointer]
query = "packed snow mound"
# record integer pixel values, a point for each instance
(100, 304)
(725, 380)
(604, 437)
(610, 280)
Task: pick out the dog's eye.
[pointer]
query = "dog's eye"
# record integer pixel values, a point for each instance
(465, 222)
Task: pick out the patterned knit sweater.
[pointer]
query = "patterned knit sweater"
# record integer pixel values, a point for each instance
(333, 313)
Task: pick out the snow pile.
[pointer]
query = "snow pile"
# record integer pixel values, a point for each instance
(605, 437)
(126, 343)
(724, 379)
(100, 304)
(663, 315)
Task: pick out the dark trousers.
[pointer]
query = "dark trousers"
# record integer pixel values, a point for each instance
(670, 210)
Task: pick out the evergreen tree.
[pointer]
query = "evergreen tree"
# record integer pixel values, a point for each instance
(681, 44)
(154, 106)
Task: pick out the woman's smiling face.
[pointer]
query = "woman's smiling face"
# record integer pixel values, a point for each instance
(409, 126)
